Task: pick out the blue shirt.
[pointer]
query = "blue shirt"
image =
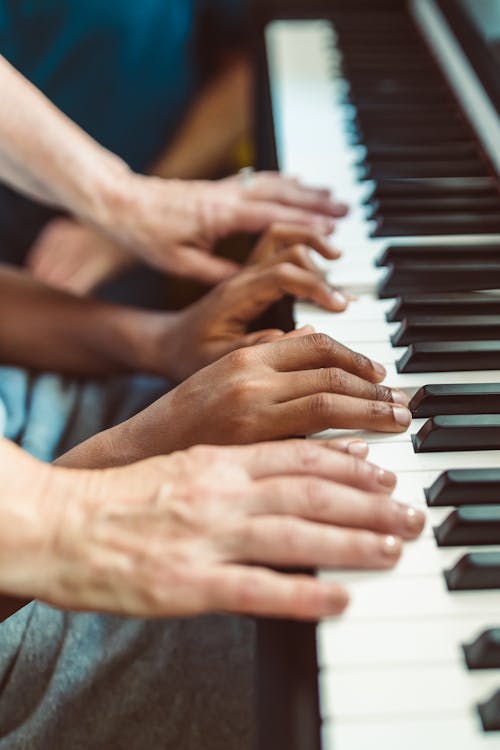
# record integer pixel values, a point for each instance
(124, 70)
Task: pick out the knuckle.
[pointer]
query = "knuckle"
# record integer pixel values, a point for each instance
(322, 344)
(239, 359)
(359, 360)
(335, 380)
(290, 537)
(320, 405)
(382, 393)
(377, 411)
(247, 593)
(380, 512)
(316, 502)
(298, 255)
(362, 546)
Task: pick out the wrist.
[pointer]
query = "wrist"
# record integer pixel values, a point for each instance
(31, 505)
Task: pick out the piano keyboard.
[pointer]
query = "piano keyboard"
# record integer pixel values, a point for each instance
(360, 106)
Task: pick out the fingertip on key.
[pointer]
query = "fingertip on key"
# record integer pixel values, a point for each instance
(402, 416)
(358, 448)
(379, 370)
(391, 547)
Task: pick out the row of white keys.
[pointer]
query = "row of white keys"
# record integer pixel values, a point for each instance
(392, 670)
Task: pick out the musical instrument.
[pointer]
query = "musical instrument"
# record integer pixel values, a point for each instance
(395, 106)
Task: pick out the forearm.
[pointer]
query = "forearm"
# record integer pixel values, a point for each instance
(150, 433)
(24, 525)
(46, 156)
(218, 120)
(46, 329)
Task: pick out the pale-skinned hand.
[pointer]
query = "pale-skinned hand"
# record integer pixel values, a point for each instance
(75, 257)
(174, 225)
(196, 531)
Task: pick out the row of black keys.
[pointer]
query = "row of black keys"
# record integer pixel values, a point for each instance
(459, 417)
(430, 175)
(448, 331)
(448, 268)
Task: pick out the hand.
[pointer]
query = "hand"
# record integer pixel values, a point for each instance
(72, 256)
(174, 225)
(217, 324)
(193, 532)
(281, 389)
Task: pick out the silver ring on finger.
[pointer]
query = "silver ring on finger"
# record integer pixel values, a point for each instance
(247, 177)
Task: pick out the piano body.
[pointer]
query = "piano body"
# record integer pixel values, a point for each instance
(395, 106)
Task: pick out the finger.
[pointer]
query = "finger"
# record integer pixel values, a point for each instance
(287, 278)
(196, 265)
(341, 504)
(282, 236)
(294, 194)
(256, 216)
(293, 385)
(319, 350)
(318, 458)
(264, 593)
(323, 411)
(296, 543)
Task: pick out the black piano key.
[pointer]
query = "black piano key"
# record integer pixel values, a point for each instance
(465, 487)
(421, 328)
(490, 713)
(470, 525)
(439, 204)
(377, 170)
(484, 651)
(461, 432)
(468, 398)
(436, 224)
(412, 133)
(475, 571)
(475, 252)
(429, 151)
(434, 186)
(408, 277)
(450, 356)
(444, 304)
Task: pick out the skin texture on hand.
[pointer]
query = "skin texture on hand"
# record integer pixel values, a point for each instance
(286, 388)
(194, 532)
(74, 257)
(217, 324)
(174, 225)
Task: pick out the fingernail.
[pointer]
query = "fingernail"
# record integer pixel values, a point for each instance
(358, 448)
(307, 329)
(336, 600)
(386, 478)
(399, 397)
(401, 416)
(338, 298)
(391, 546)
(379, 369)
(411, 519)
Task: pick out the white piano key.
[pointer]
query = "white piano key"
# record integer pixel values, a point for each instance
(400, 457)
(394, 674)
(381, 596)
(375, 693)
(371, 644)
(436, 733)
